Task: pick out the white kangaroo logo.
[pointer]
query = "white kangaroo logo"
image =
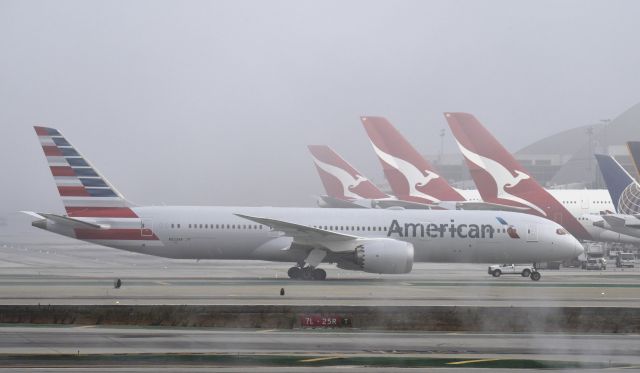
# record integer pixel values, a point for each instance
(415, 177)
(347, 181)
(501, 175)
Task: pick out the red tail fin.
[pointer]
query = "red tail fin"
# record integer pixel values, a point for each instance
(339, 178)
(501, 179)
(410, 176)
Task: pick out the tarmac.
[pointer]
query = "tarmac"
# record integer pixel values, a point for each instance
(59, 271)
(68, 272)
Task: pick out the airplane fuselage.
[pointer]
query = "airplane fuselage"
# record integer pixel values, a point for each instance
(185, 232)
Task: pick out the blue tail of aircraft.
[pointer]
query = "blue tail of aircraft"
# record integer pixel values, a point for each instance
(616, 178)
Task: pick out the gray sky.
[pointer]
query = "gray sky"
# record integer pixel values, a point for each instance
(213, 102)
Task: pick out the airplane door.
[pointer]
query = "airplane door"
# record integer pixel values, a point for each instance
(532, 233)
(585, 204)
(146, 227)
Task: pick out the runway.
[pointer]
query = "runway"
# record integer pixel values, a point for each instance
(585, 348)
(54, 270)
(60, 271)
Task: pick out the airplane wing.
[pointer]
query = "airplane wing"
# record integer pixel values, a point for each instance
(309, 236)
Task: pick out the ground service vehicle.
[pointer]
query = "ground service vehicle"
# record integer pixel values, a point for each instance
(595, 264)
(625, 260)
(497, 270)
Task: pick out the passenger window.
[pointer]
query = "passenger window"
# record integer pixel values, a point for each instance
(171, 225)
(189, 225)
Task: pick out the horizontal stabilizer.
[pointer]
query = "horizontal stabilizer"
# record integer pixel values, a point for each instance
(619, 220)
(409, 205)
(33, 214)
(74, 223)
(332, 202)
(479, 205)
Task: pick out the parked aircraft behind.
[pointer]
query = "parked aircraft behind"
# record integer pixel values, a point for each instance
(626, 192)
(346, 187)
(377, 241)
(413, 178)
(501, 179)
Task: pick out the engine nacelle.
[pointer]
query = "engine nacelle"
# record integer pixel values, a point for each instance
(382, 255)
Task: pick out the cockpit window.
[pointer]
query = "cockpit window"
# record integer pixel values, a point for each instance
(561, 231)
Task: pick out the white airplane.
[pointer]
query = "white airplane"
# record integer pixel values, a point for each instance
(376, 241)
(501, 179)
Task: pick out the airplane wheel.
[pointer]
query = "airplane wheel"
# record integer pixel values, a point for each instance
(496, 273)
(319, 274)
(295, 272)
(308, 274)
(535, 276)
(526, 273)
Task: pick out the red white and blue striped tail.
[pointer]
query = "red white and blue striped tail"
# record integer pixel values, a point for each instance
(84, 191)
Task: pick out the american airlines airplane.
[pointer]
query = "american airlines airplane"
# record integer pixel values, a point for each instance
(376, 241)
(501, 179)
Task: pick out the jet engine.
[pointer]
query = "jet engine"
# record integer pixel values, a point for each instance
(380, 255)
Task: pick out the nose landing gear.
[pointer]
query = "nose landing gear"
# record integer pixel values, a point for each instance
(307, 273)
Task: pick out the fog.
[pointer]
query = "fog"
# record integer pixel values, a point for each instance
(214, 102)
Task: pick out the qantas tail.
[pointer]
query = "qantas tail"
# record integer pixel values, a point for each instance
(84, 191)
(339, 178)
(618, 181)
(411, 177)
(501, 179)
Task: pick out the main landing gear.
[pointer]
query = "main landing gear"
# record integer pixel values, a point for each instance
(307, 273)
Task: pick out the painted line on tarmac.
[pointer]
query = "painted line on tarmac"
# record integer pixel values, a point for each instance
(471, 361)
(266, 331)
(320, 359)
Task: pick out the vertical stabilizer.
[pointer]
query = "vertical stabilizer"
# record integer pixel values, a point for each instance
(617, 180)
(339, 178)
(411, 177)
(634, 152)
(501, 179)
(84, 191)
